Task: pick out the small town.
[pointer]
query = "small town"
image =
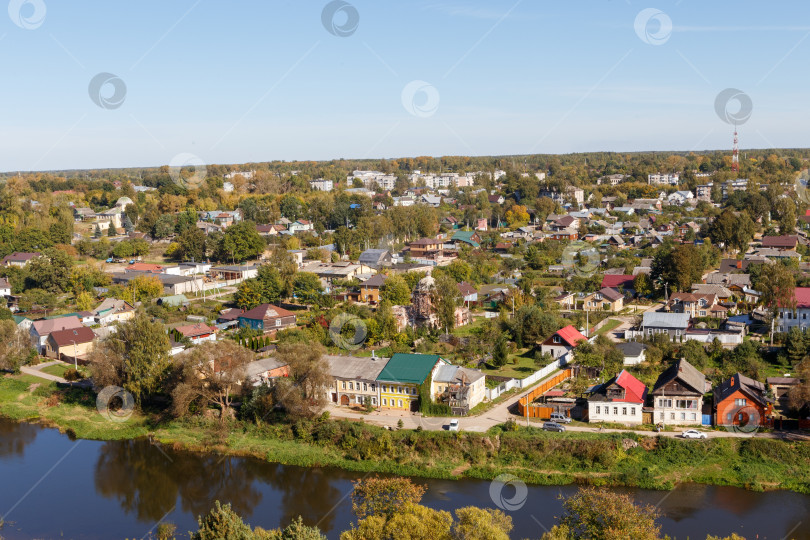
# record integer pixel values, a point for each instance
(539, 302)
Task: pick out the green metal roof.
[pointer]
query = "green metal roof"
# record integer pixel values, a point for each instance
(174, 300)
(465, 236)
(409, 368)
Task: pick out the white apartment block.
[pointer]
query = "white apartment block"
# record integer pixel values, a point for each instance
(659, 179)
(322, 184)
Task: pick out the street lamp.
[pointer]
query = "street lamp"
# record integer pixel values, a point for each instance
(75, 356)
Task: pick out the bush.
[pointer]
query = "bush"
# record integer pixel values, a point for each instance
(72, 375)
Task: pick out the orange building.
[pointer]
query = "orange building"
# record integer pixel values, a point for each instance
(742, 402)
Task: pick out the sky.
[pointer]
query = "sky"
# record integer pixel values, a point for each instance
(100, 84)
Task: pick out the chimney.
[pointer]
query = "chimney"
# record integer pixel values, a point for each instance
(731, 383)
(739, 264)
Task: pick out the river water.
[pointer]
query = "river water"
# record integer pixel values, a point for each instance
(55, 487)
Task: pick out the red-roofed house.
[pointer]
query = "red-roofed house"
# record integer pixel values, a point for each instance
(800, 317)
(562, 341)
(625, 281)
(198, 333)
(619, 400)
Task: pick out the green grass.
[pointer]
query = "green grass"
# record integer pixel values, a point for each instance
(608, 326)
(523, 367)
(56, 369)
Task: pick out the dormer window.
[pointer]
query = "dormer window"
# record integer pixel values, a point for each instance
(556, 339)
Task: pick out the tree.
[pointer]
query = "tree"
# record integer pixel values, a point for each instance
(459, 270)
(222, 522)
(84, 301)
(481, 524)
(270, 281)
(517, 216)
(211, 374)
(412, 522)
(799, 395)
(249, 294)
(531, 324)
(164, 226)
(307, 288)
(240, 242)
(111, 230)
(301, 394)
(777, 286)
(795, 345)
(501, 352)
(15, 346)
(642, 284)
(135, 357)
(51, 271)
(680, 266)
(375, 496)
(396, 290)
(97, 231)
(192, 244)
(143, 288)
(446, 299)
(601, 514)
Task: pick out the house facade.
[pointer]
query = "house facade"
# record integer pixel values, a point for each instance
(267, 318)
(198, 333)
(788, 318)
(742, 403)
(619, 400)
(354, 380)
(40, 330)
(562, 341)
(677, 396)
(72, 342)
(402, 377)
(459, 387)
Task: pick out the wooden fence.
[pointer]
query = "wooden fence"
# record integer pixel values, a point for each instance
(538, 411)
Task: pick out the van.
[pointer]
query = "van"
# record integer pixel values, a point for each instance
(553, 426)
(560, 418)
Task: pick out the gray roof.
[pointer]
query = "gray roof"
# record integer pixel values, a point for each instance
(703, 288)
(632, 348)
(684, 371)
(454, 374)
(256, 367)
(373, 256)
(658, 319)
(355, 367)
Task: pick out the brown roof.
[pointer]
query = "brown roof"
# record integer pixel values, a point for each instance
(465, 289)
(783, 241)
(684, 371)
(66, 337)
(377, 280)
(20, 257)
(425, 242)
(194, 330)
(610, 293)
(263, 311)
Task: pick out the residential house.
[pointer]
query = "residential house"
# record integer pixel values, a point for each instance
(19, 259)
(619, 400)
(40, 330)
(234, 273)
(785, 241)
(677, 395)
(301, 225)
(742, 403)
(342, 270)
(5, 287)
(267, 318)
(144, 267)
(376, 258)
(562, 341)
(431, 200)
(696, 305)
(468, 293)
(370, 289)
(459, 387)
(671, 179)
(621, 282)
(426, 248)
(321, 184)
(402, 377)
(496, 199)
(469, 238)
(171, 284)
(605, 299)
(565, 234)
(450, 221)
(198, 333)
(679, 198)
(780, 387)
(264, 370)
(567, 300)
(71, 342)
(656, 322)
(23, 323)
(354, 380)
(633, 351)
(722, 294)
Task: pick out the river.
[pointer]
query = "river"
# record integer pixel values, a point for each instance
(55, 487)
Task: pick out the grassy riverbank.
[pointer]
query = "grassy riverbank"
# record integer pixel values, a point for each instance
(532, 455)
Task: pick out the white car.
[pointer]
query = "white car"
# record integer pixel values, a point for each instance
(693, 434)
(453, 425)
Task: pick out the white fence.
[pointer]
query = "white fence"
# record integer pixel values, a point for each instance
(493, 393)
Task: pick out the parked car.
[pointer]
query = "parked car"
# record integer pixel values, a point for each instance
(693, 434)
(109, 260)
(560, 418)
(553, 426)
(132, 261)
(453, 425)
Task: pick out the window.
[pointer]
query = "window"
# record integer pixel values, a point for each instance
(683, 416)
(344, 385)
(624, 411)
(400, 403)
(278, 322)
(728, 418)
(385, 402)
(385, 388)
(365, 387)
(351, 386)
(672, 416)
(556, 339)
(414, 391)
(374, 401)
(692, 416)
(615, 411)
(373, 387)
(632, 411)
(740, 402)
(661, 416)
(665, 403)
(597, 409)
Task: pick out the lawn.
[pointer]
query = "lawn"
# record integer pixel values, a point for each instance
(609, 326)
(56, 369)
(522, 368)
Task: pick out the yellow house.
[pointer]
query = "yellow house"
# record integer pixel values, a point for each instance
(402, 376)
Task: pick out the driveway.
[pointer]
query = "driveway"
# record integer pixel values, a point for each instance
(36, 371)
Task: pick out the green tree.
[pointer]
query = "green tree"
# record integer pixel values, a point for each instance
(642, 285)
(446, 299)
(777, 286)
(15, 346)
(111, 231)
(307, 288)
(249, 294)
(192, 244)
(375, 496)
(500, 353)
(458, 270)
(51, 271)
(481, 524)
(601, 514)
(222, 523)
(164, 226)
(796, 344)
(240, 242)
(271, 283)
(396, 290)
(136, 357)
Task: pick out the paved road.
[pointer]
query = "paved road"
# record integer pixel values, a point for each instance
(35, 371)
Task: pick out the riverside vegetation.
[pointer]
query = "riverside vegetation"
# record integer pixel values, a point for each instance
(530, 454)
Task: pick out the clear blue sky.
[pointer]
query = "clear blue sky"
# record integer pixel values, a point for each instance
(242, 81)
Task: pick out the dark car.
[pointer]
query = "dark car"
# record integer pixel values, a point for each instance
(553, 426)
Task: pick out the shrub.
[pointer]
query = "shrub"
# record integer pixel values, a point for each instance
(72, 375)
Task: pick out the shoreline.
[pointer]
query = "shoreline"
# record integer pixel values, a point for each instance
(534, 456)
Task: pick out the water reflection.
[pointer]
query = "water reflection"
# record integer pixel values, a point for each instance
(14, 437)
(149, 482)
